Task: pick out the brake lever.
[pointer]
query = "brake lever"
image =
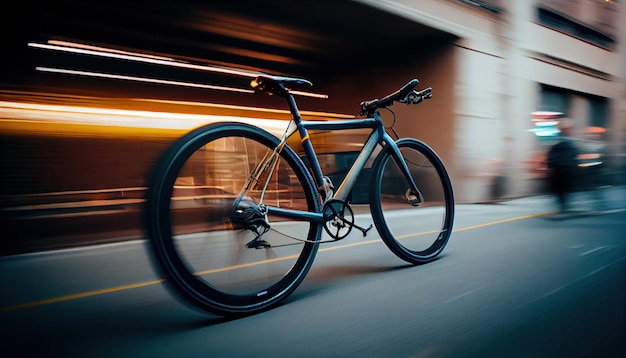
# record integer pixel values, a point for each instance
(412, 98)
(427, 93)
(415, 97)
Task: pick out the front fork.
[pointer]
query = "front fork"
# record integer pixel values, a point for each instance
(413, 194)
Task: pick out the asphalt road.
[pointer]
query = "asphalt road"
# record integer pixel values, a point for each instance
(513, 282)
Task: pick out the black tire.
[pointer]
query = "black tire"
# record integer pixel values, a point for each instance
(203, 257)
(415, 234)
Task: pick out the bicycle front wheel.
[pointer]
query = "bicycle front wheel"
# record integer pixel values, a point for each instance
(417, 234)
(207, 259)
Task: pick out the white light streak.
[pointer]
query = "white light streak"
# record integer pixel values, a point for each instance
(83, 49)
(104, 49)
(121, 55)
(142, 79)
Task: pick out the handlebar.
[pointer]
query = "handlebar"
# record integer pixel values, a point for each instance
(407, 94)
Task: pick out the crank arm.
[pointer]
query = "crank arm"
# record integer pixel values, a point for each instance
(362, 229)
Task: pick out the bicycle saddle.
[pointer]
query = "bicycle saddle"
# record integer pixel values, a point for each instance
(276, 84)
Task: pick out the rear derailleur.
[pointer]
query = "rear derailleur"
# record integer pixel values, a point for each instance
(248, 215)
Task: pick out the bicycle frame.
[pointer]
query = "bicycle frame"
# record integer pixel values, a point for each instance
(378, 136)
(203, 247)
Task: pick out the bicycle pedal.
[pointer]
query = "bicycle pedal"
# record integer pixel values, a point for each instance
(413, 198)
(364, 230)
(415, 202)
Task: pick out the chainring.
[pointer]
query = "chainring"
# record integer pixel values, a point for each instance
(338, 218)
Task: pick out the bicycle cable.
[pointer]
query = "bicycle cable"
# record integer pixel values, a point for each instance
(393, 130)
(393, 123)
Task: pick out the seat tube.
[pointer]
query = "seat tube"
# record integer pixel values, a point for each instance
(306, 141)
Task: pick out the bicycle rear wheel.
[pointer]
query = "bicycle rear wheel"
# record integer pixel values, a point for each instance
(417, 234)
(202, 254)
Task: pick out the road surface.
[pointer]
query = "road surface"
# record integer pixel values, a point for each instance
(514, 281)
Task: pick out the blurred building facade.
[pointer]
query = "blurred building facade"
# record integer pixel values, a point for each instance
(504, 73)
(516, 63)
(501, 71)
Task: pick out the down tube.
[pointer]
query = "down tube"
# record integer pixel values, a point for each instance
(344, 189)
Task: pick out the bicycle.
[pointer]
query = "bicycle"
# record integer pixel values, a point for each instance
(235, 216)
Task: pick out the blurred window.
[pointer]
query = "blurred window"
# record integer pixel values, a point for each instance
(592, 21)
(554, 100)
(598, 112)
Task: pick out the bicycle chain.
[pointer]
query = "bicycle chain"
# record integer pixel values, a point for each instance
(350, 223)
(302, 240)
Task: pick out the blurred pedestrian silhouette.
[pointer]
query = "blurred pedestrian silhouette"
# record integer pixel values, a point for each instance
(563, 166)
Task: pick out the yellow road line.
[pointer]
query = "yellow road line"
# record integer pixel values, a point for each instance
(249, 264)
(149, 283)
(80, 295)
(502, 221)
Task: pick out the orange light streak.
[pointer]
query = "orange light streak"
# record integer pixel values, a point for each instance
(246, 108)
(11, 111)
(308, 94)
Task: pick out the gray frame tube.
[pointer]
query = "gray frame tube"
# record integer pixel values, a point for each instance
(348, 182)
(297, 214)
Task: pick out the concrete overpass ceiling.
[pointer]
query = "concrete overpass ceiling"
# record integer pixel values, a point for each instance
(318, 40)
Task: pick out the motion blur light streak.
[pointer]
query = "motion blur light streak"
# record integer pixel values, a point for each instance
(308, 94)
(117, 117)
(104, 49)
(158, 60)
(267, 110)
(142, 79)
(103, 52)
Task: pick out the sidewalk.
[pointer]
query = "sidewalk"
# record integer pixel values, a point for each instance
(603, 200)
(125, 225)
